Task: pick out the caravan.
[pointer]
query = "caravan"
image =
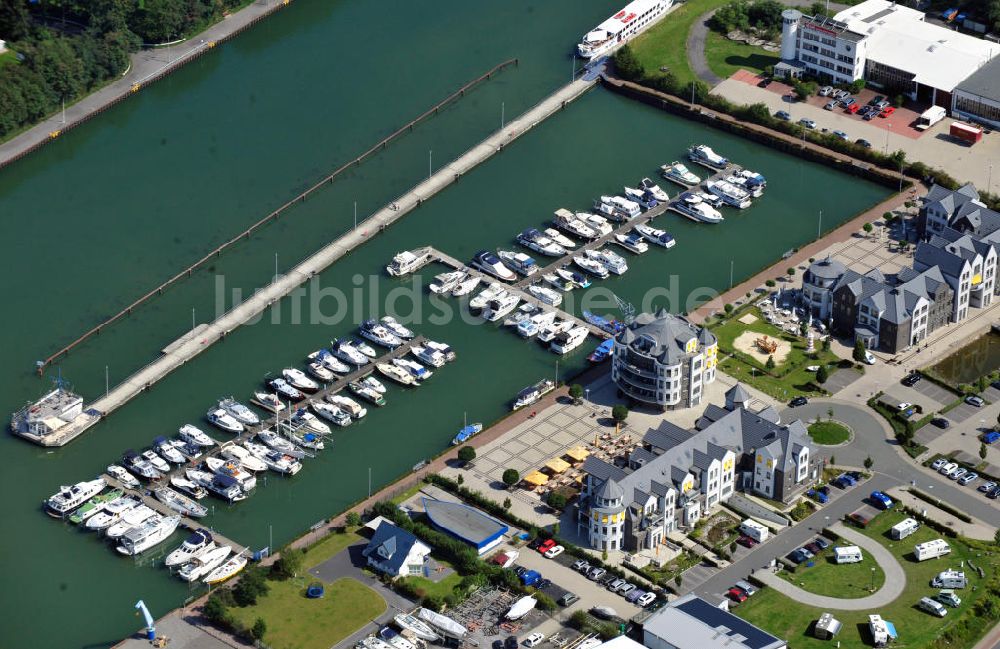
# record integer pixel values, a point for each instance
(950, 579)
(903, 529)
(848, 554)
(932, 606)
(931, 549)
(754, 530)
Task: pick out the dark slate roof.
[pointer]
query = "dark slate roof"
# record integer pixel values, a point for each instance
(770, 414)
(737, 394)
(826, 269)
(610, 490)
(602, 470)
(983, 82)
(463, 522)
(667, 435)
(928, 255)
(641, 455)
(662, 336)
(390, 545)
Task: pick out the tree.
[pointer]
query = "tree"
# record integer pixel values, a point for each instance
(251, 586)
(678, 580)
(215, 608)
(822, 374)
(982, 451)
(769, 365)
(628, 65)
(619, 413)
(467, 454)
(769, 283)
(833, 460)
(576, 392)
(459, 479)
(857, 86)
(288, 564)
(803, 328)
(859, 351)
(728, 309)
(510, 477)
(506, 503)
(259, 629)
(867, 227)
(353, 519)
(790, 271)
(869, 462)
(556, 500)
(825, 345)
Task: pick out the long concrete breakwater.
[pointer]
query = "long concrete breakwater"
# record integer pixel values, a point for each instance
(194, 342)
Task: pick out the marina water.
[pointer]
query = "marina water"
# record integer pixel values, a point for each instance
(120, 204)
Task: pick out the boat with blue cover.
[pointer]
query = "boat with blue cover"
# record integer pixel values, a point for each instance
(466, 434)
(603, 351)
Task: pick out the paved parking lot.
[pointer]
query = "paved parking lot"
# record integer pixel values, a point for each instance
(964, 411)
(929, 395)
(841, 379)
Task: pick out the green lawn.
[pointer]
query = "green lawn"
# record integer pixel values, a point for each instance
(829, 433)
(726, 57)
(828, 578)
(664, 44)
(330, 546)
(8, 57)
(793, 622)
(789, 379)
(297, 622)
(441, 588)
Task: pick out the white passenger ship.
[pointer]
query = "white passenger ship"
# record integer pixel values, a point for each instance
(633, 19)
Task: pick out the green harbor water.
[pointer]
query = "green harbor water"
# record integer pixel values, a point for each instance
(116, 206)
(967, 364)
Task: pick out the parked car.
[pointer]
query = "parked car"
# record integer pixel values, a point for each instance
(581, 565)
(596, 573)
(822, 543)
(520, 570)
(746, 587)
(765, 82)
(511, 642)
(863, 142)
(808, 123)
(941, 423)
(968, 478)
(812, 547)
(938, 463)
(987, 486)
(993, 493)
(737, 595)
(948, 468)
(568, 599)
(825, 91)
(948, 596)
(869, 357)
(533, 639)
(888, 110)
(554, 552)
(616, 584)
(781, 114)
(883, 105)
(797, 556)
(852, 107)
(798, 401)
(957, 473)
(990, 437)
(881, 500)
(626, 589)
(546, 545)
(634, 595)
(831, 105)
(911, 379)
(848, 102)
(498, 644)
(876, 100)
(840, 94)
(906, 405)
(973, 400)
(646, 599)
(746, 541)
(544, 583)
(842, 136)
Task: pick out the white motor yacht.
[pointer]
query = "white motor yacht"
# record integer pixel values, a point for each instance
(444, 348)
(69, 498)
(201, 565)
(729, 193)
(579, 279)
(677, 172)
(232, 469)
(189, 450)
(224, 486)
(348, 405)
(549, 332)
(518, 262)
(523, 312)
(614, 263)
(158, 462)
(367, 393)
(379, 334)
(546, 295)
(373, 383)
(124, 477)
(396, 327)
(187, 487)
(179, 502)
(140, 466)
(365, 348)
(559, 283)
(653, 235)
(319, 372)
(275, 460)
(418, 371)
(711, 199)
(567, 341)
(151, 533)
(535, 323)
(111, 514)
(396, 373)
(654, 190)
(346, 351)
(535, 240)
(406, 262)
(131, 519)
(644, 199)
(238, 453)
(165, 449)
(595, 222)
(332, 413)
(330, 362)
(632, 242)
(591, 266)
(480, 300)
(242, 414)
(267, 401)
(445, 282)
(298, 379)
(427, 355)
(533, 394)
(704, 155)
(222, 419)
(304, 421)
(466, 286)
(621, 209)
(285, 390)
(278, 443)
(559, 238)
(500, 306)
(198, 543)
(693, 207)
(568, 222)
(490, 264)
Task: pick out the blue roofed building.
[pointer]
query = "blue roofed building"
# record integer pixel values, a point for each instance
(465, 523)
(396, 552)
(692, 623)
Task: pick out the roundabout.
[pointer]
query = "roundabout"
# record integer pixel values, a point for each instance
(830, 433)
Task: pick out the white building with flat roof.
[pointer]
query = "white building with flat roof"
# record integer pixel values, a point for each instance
(891, 47)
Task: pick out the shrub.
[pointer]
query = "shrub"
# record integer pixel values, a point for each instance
(859, 351)
(251, 586)
(259, 629)
(353, 519)
(769, 283)
(556, 500)
(467, 454)
(510, 477)
(288, 564)
(545, 602)
(215, 608)
(433, 602)
(576, 391)
(822, 374)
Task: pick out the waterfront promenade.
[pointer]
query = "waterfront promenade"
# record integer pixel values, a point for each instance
(203, 336)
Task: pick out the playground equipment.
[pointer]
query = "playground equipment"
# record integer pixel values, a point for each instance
(766, 345)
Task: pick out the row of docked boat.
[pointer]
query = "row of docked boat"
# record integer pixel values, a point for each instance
(200, 557)
(735, 189)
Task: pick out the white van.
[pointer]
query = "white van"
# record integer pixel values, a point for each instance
(848, 554)
(932, 607)
(950, 579)
(931, 549)
(754, 530)
(904, 528)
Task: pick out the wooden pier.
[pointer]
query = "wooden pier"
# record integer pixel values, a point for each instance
(194, 342)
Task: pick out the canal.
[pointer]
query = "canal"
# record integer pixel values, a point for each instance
(141, 191)
(967, 364)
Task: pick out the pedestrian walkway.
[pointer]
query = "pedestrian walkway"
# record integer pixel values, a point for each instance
(895, 578)
(976, 529)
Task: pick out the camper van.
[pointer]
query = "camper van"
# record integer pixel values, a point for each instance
(754, 530)
(931, 606)
(950, 579)
(931, 549)
(904, 528)
(848, 554)
(879, 630)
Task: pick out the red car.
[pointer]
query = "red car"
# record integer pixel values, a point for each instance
(853, 108)
(737, 595)
(888, 110)
(546, 545)
(746, 541)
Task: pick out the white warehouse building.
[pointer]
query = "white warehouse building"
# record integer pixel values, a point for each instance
(888, 45)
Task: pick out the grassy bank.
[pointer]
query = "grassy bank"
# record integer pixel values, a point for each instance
(847, 580)
(726, 57)
(663, 46)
